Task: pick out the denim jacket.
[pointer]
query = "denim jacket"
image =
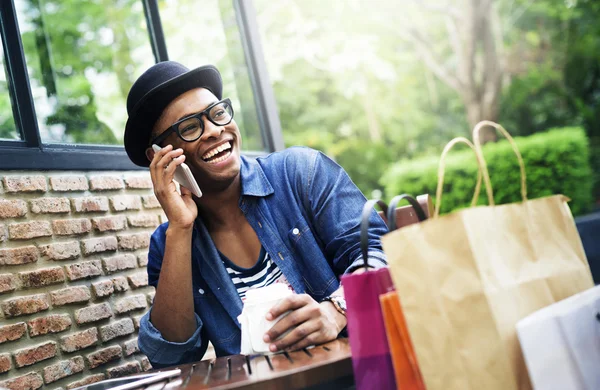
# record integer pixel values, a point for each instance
(306, 212)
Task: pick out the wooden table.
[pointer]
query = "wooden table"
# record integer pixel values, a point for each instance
(328, 366)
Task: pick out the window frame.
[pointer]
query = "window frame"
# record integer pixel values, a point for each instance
(31, 153)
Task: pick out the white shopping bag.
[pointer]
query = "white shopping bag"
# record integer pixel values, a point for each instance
(561, 343)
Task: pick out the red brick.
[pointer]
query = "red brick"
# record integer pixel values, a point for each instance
(109, 224)
(130, 347)
(68, 183)
(12, 332)
(103, 288)
(127, 304)
(17, 256)
(150, 202)
(119, 262)
(28, 356)
(86, 381)
(104, 356)
(80, 340)
(67, 227)
(99, 244)
(120, 284)
(3, 233)
(84, 269)
(42, 277)
(93, 313)
(68, 295)
(14, 208)
(63, 369)
(125, 202)
(143, 220)
(90, 204)
(143, 259)
(55, 323)
(123, 370)
(50, 206)
(61, 250)
(28, 230)
(139, 279)
(131, 242)
(29, 381)
(5, 363)
(25, 184)
(116, 329)
(103, 183)
(138, 182)
(25, 305)
(146, 366)
(8, 282)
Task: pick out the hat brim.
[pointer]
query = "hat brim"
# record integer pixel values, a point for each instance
(149, 108)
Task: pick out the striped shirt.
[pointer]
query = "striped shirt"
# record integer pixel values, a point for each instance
(265, 272)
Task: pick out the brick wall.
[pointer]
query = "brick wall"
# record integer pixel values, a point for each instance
(73, 282)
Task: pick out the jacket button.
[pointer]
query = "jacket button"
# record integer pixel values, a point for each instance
(201, 291)
(295, 231)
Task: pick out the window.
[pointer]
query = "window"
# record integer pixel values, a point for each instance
(8, 130)
(71, 64)
(82, 58)
(214, 39)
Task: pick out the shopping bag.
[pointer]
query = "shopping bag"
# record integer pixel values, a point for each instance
(467, 278)
(371, 360)
(406, 367)
(561, 343)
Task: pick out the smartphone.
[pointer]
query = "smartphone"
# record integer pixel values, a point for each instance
(184, 176)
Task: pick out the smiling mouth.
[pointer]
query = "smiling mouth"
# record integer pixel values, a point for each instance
(218, 153)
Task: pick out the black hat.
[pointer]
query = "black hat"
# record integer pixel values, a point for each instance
(152, 92)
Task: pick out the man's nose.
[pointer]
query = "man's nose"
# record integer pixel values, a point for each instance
(211, 130)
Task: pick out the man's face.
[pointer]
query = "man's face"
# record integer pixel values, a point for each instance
(213, 171)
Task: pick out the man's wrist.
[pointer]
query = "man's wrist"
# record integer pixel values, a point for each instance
(340, 319)
(176, 229)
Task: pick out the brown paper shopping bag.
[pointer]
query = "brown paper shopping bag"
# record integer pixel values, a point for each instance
(466, 278)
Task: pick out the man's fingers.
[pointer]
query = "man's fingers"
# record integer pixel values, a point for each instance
(169, 171)
(167, 158)
(158, 155)
(296, 317)
(292, 302)
(304, 335)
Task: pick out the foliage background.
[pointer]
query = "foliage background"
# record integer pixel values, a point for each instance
(350, 80)
(372, 83)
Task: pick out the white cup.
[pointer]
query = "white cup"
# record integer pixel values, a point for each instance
(253, 318)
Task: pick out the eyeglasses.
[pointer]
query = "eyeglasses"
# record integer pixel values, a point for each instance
(191, 128)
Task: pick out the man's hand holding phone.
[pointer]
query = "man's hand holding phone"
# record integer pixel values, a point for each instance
(181, 210)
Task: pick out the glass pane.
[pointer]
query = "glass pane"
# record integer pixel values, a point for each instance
(82, 58)
(8, 129)
(200, 32)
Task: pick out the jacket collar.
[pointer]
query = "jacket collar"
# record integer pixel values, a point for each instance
(253, 178)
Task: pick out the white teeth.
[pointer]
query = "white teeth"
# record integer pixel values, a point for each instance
(218, 160)
(216, 150)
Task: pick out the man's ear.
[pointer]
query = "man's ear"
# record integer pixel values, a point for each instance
(150, 154)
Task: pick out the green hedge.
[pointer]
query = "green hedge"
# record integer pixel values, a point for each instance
(556, 162)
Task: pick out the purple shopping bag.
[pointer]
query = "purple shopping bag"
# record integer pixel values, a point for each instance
(371, 359)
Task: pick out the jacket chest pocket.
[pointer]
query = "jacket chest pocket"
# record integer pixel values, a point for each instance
(314, 267)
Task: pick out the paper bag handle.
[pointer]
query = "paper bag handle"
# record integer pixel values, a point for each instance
(442, 170)
(364, 226)
(391, 212)
(479, 152)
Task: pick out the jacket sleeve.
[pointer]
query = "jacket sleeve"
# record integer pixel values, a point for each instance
(161, 352)
(335, 204)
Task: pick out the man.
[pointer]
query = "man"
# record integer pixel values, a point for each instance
(291, 217)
